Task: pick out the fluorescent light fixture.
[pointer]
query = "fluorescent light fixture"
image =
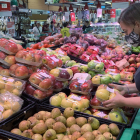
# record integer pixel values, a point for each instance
(108, 2)
(80, 4)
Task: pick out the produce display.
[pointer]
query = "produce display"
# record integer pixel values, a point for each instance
(52, 125)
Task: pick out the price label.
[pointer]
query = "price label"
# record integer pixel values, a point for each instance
(44, 75)
(4, 5)
(76, 98)
(55, 59)
(110, 90)
(1, 108)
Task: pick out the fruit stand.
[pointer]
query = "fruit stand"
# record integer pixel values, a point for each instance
(58, 85)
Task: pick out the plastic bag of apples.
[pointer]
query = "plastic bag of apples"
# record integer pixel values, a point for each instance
(9, 104)
(22, 71)
(30, 57)
(13, 85)
(42, 80)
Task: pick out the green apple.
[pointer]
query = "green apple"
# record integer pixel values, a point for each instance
(116, 116)
(92, 73)
(44, 49)
(85, 103)
(106, 80)
(92, 64)
(55, 100)
(76, 64)
(50, 52)
(99, 67)
(70, 63)
(87, 112)
(138, 47)
(84, 68)
(64, 59)
(62, 95)
(66, 103)
(116, 78)
(96, 80)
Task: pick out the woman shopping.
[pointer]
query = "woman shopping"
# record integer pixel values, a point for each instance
(129, 21)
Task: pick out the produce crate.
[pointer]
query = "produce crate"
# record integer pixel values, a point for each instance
(10, 124)
(55, 47)
(7, 136)
(27, 104)
(78, 60)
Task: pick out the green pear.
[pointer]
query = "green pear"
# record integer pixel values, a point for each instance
(70, 121)
(81, 121)
(49, 123)
(37, 137)
(50, 134)
(46, 116)
(66, 138)
(108, 136)
(114, 129)
(60, 136)
(59, 127)
(88, 136)
(100, 137)
(75, 128)
(33, 121)
(86, 128)
(16, 131)
(39, 128)
(61, 119)
(96, 133)
(24, 125)
(55, 113)
(104, 128)
(75, 135)
(68, 112)
(87, 112)
(115, 116)
(94, 123)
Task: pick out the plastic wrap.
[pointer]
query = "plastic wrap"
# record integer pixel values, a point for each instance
(83, 43)
(62, 74)
(42, 80)
(93, 50)
(70, 63)
(111, 43)
(60, 85)
(101, 114)
(13, 85)
(96, 66)
(85, 57)
(126, 76)
(65, 47)
(60, 51)
(22, 71)
(9, 104)
(52, 62)
(38, 94)
(30, 57)
(4, 70)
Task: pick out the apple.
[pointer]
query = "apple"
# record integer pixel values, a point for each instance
(102, 87)
(131, 60)
(29, 56)
(10, 59)
(9, 86)
(116, 116)
(45, 84)
(84, 68)
(2, 55)
(58, 85)
(116, 78)
(85, 87)
(132, 69)
(95, 102)
(55, 100)
(46, 59)
(12, 47)
(1, 68)
(64, 74)
(76, 69)
(92, 64)
(19, 47)
(138, 65)
(53, 79)
(77, 106)
(74, 85)
(129, 76)
(39, 94)
(5, 72)
(41, 52)
(55, 72)
(21, 71)
(20, 54)
(138, 59)
(35, 78)
(106, 80)
(62, 95)
(70, 63)
(99, 67)
(29, 89)
(13, 68)
(38, 58)
(52, 64)
(133, 65)
(102, 94)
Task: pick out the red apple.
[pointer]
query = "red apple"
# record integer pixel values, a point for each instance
(95, 102)
(138, 59)
(35, 78)
(58, 85)
(10, 59)
(74, 85)
(126, 57)
(132, 69)
(41, 53)
(131, 60)
(1, 68)
(39, 94)
(45, 84)
(2, 55)
(20, 54)
(85, 87)
(5, 72)
(52, 64)
(133, 65)
(37, 58)
(19, 47)
(12, 47)
(21, 71)
(13, 68)
(76, 69)
(29, 89)
(138, 65)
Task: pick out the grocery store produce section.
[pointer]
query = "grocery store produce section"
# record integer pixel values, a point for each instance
(54, 89)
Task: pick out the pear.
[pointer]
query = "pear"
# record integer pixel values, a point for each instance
(24, 125)
(75, 135)
(74, 128)
(81, 121)
(16, 131)
(39, 115)
(33, 121)
(15, 106)
(49, 123)
(66, 138)
(46, 116)
(68, 112)
(67, 131)
(50, 134)
(60, 136)
(37, 137)
(55, 113)
(41, 121)
(94, 123)
(108, 136)
(61, 119)
(31, 132)
(69, 136)
(114, 138)
(100, 137)
(96, 133)
(59, 127)
(27, 134)
(86, 128)
(7, 113)
(104, 128)
(70, 121)
(114, 129)
(39, 128)
(88, 136)
(81, 138)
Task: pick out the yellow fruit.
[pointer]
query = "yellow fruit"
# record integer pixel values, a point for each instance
(15, 106)
(112, 95)
(55, 72)
(70, 72)
(10, 80)
(9, 86)
(102, 94)
(7, 105)
(96, 80)
(1, 77)
(18, 85)
(7, 113)
(2, 84)
(2, 91)
(16, 92)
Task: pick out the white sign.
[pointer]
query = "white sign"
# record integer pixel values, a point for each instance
(99, 12)
(11, 28)
(66, 16)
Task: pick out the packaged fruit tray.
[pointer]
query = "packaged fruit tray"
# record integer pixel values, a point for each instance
(6, 51)
(14, 123)
(57, 46)
(26, 104)
(13, 85)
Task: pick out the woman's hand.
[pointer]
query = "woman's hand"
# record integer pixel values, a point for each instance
(122, 88)
(117, 101)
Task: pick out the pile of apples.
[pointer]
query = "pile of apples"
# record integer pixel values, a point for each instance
(75, 101)
(12, 85)
(10, 104)
(126, 76)
(45, 125)
(4, 72)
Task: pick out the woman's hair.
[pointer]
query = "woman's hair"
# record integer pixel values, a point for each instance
(65, 24)
(130, 15)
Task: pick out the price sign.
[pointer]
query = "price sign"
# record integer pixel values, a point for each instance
(113, 13)
(5, 5)
(11, 28)
(72, 16)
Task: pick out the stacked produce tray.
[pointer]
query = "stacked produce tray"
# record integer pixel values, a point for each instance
(10, 124)
(55, 47)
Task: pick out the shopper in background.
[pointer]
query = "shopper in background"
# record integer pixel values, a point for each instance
(86, 25)
(45, 27)
(65, 30)
(129, 21)
(52, 27)
(58, 28)
(37, 30)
